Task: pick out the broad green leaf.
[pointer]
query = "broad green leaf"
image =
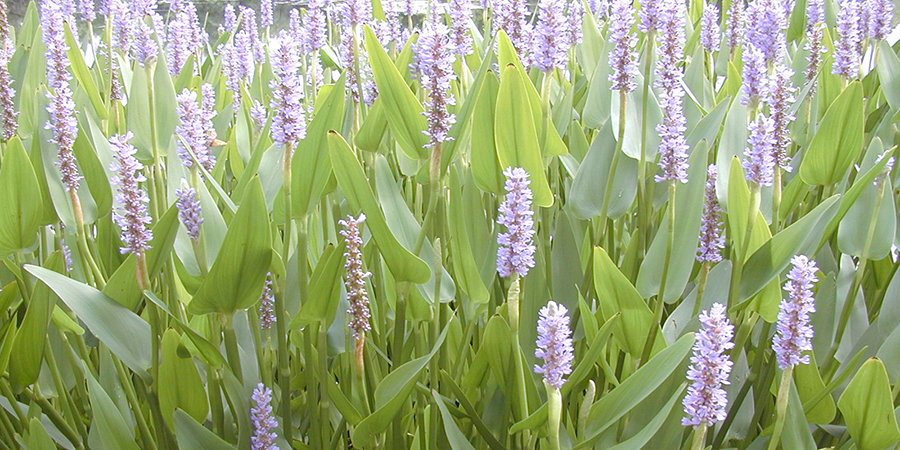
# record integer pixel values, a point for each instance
(123, 285)
(82, 73)
(28, 347)
(325, 290)
(640, 439)
(371, 131)
(848, 199)
(95, 174)
(209, 352)
(796, 434)
(404, 265)
(617, 295)
(20, 196)
(390, 395)
(838, 141)
(801, 237)
(403, 110)
(342, 403)
(485, 165)
(731, 146)
(111, 426)
(464, 266)
(236, 278)
(589, 183)
(809, 385)
(180, 385)
(688, 209)
(868, 410)
(124, 332)
(311, 166)
(853, 233)
(888, 68)
(455, 436)
(38, 438)
(516, 135)
(637, 387)
(194, 436)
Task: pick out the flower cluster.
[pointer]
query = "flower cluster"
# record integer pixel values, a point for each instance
(434, 62)
(237, 64)
(132, 216)
(709, 31)
(554, 344)
(575, 21)
(266, 13)
(229, 19)
(848, 46)
(251, 28)
(766, 23)
(8, 111)
(815, 32)
(184, 36)
(267, 305)
(289, 122)
(53, 25)
(516, 252)
(145, 49)
(512, 16)
(781, 99)
(356, 277)
(264, 422)
(711, 239)
(754, 76)
(881, 16)
(460, 16)
(623, 57)
(760, 162)
(710, 366)
(189, 210)
(734, 25)
(194, 128)
(316, 25)
(794, 332)
(673, 145)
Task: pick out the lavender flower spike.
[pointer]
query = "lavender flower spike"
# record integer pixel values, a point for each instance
(760, 162)
(710, 366)
(881, 16)
(316, 25)
(289, 123)
(263, 421)
(781, 99)
(132, 216)
(673, 146)
(815, 33)
(516, 252)
(755, 71)
(623, 57)
(711, 239)
(460, 16)
(434, 61)
(550, 44)
(266, 13)
(765, 24)
(193, 131)
(189, 210)
(734, 25)
(356, 277)
(709, 33)
(229, 20)
(848, 45)
(554, 344)
(53, 24)
(267, 305)
(794, 332)
(8, 111)
(65, 130)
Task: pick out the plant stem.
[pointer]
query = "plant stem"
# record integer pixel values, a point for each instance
(610, 180)
(281, 322)
(699, 437)
(659, 306)
(742, 252)
(781, 406)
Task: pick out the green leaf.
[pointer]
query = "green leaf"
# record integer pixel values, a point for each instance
(640, 439)
(236, 278)
(404, 265)
(868, 410)
(838, 141)
(618, 402)
(95, 174)
(38, 437)
(342, 403)
(850, 196)
(111, 426)
(617, 295)
(888, 68)
(589, 187)
(455, 436)
(124, 332)
(180, 385)
(123, 285)
(193, 436)
(854, 230)
(20, 196)
(83, 74)
(210, 352)
(325, 290)
(516, 135)
(391, 394)
(485, 165)
(403, 110)
(809, 385)
(464, 266)
(771, 259)
(311, 166)
(796, 434)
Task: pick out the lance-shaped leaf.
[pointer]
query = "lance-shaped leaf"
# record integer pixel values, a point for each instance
(403, 110)
(404, 265)
(325, 290)
(838, 140)
(20, 196)
(868, 410)
(236, 278)
(311, 166)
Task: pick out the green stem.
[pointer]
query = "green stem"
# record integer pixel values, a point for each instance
(645, 203)
(610, 180)
(781, 407)
(699, 437)
(231, 349)
(554, 414)
(55, 417)
(742, 252)
(281, 322)
(659, 306)
(701, 287)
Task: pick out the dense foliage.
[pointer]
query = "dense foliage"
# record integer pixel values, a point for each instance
(555, 224)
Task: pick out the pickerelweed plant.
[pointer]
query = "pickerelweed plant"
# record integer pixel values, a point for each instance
(490, 225)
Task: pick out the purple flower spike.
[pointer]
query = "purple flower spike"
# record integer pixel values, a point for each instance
(65, 130)
(189, 210)
(193, 129)
(145, 47)
(710, 366)
(794, 332)
(881, 16)
(512, 16)
(267, 305)
(264, 422)
(781, 99)
(184, 37)
(460, 16)
(8, 111)
(131, 216)
(765, 24)
(673, 146)
(289, 122)
(815, 32)
(709, 32)
(355, 280)
(122, 26)
(623, 57)
(434, 61)
(711, 239)
(266, 13)
(755, 75)
(53, 24)
(229, 20)
(575, 20)
(734, 25)
(554, 344)
(516, 252)
(86, 10)
(316, 24)
(847, 47)
(760, 162)
(650, 15)
(251, 27)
